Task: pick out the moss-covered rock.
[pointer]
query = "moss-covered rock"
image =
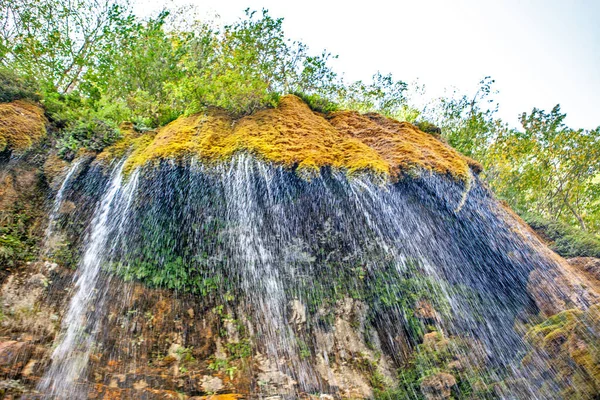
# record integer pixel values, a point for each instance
(22, 124)
(567, 345)
(295, 136)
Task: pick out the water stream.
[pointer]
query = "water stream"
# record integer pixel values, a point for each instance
(259, 239)
(58, 201)
(80, 322)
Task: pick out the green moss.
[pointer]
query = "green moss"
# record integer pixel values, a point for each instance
(434, 356)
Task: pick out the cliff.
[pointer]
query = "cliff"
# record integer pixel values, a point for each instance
(286, 254)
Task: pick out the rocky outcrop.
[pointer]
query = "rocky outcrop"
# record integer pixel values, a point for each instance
(378, 324)
(293, 135)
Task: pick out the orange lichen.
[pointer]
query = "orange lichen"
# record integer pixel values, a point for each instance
(22, 124)
(293, 135)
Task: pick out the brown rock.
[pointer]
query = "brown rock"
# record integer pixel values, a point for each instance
(426, 311)
(589, 265)
(438, 386)
(14, 356)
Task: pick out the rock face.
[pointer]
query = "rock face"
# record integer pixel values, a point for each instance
(229, 277)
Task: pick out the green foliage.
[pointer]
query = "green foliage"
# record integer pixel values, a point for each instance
(16, 243)
(241, 349)
(566, 240)
(545, 168)
(15, 87)
(437, 355)
(185, 355)
(318, 103)
(383, 95)
(94, 135)
(428, 127)
(11, 249)
(412, 286)
(549, 169)
(55, 42)
(140, 73)
(248, 66)
(467, 122)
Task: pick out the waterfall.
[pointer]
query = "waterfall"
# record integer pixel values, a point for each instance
(288, 260)
(80, 322)
(58, 201)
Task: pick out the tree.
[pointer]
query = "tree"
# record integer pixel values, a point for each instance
(468, 122)
(383, 95)
(56, 41)
(248, 65)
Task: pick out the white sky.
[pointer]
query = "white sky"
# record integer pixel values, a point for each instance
(540, 52)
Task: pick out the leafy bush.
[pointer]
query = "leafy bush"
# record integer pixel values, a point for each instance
(318, 103)
(15, 87)
(430, 128)
(248, 66)
(16, 240)
(565, 239)
(11, 249)
(94, 134)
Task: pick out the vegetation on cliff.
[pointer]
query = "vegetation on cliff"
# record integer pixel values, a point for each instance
(567, 344)
(94, 66)
(22, 124)
(294, 136)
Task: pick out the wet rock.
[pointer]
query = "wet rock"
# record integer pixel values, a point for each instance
(272, 378)
(435, 341)
(425, 311)
(342, 352)
(211, 384)
(14, 357)
(438, 386)
(233, 335)
(298, 312)
(140, 385)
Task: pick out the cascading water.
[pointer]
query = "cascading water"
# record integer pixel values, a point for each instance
(58, 201)
(287, 259)
(80, 323)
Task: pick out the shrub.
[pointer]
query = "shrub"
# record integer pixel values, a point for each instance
(565, 239)
(428, 127)
(94, 134)
(318, 103)
(14, 87)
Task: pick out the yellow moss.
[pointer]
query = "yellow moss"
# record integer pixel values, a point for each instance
(22, 124)
(293, 135)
